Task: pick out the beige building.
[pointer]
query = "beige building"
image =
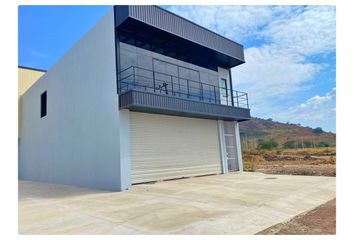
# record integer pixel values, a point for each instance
(26, 78)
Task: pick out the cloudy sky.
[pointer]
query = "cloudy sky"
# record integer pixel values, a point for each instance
(290, 52)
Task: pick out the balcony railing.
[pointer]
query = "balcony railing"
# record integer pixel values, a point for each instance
(141, 79)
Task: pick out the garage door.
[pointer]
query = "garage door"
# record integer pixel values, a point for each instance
(167, 147)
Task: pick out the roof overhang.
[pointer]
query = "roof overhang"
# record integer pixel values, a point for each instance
(162, 25)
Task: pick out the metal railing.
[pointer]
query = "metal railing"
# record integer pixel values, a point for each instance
(147, 80)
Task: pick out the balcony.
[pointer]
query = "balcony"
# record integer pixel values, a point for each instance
(145, 90)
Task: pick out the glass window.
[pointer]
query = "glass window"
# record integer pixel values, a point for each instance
(223, 86)
(44, 104)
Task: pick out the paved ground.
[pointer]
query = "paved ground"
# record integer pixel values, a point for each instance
(236, 203)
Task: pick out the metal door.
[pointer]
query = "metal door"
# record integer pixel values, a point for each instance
(230, 144)
(168, 147)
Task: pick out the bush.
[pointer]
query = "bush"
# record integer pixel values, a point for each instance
(307, 144)
(266, 144)
(289, 144)
(322, 144)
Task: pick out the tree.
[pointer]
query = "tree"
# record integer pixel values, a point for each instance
(322, 144)
(289, 144)
(266, 144)
(307, 144)
(317, 131)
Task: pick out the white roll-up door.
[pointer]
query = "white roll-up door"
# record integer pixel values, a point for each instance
(167, 147)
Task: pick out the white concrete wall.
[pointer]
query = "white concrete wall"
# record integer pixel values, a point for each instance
(238, 146)
(77, 143)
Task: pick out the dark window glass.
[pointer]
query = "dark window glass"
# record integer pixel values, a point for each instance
(130, 41)
(182, 57)
(122, 38)
(44, 104)
(138, 43)
(146, 46)
(158, 49)
(171, 54)
(169, 48)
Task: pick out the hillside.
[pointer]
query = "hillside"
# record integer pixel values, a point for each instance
(255, 129)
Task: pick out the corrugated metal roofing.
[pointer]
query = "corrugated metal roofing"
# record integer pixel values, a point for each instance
(181, 27)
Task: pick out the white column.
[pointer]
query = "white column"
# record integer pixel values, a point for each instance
(222, 146)
(238, 147)
(124, 149)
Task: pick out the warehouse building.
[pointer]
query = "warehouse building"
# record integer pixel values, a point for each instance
(145, 95)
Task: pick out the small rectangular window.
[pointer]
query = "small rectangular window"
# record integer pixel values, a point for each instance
(44, 104)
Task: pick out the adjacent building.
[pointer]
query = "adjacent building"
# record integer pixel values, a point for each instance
(146, 95)
(26, 78)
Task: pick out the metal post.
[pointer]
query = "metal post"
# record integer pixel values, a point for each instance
(201, 89)
(237, 99)
(172, 85)
(247, 100)
(187, 88)
(134, 76)
(215, 94)
(153, 79)
(179, 82)
(231, 87)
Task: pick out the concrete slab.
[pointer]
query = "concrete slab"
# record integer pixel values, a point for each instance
(236, 203)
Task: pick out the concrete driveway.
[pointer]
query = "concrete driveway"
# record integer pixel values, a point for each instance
(239, 203)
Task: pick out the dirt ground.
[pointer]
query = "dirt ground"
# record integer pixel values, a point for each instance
(319, 221)
(297, 168)
(291, 164)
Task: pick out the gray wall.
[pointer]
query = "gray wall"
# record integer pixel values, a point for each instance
(77, 143)
(134, 56)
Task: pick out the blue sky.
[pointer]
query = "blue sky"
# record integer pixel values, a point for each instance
(290, 69)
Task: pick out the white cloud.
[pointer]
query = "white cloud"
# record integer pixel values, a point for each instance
(309, 32)
(314, 112)
(278, 66)
(235, 22)
(316, 102)
(268, 73)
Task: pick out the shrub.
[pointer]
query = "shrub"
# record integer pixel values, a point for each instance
(307, 144)
(322, 144)
(289, 144)
(266, 144)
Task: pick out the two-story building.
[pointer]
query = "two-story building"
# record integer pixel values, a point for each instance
(146, 95)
